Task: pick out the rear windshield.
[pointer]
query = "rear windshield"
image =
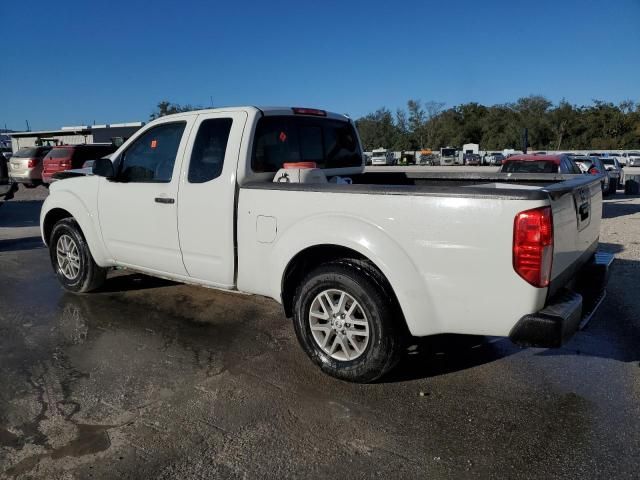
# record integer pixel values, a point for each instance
(529, 166)
(60, 153)
(608, 161)
(283, 139)
(30, 152)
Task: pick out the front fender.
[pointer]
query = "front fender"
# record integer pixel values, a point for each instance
(81, 203)
(372, 242)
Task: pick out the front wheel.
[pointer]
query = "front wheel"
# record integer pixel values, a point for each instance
(71, 259)
(347, 322)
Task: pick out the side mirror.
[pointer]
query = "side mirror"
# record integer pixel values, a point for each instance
(103, 167)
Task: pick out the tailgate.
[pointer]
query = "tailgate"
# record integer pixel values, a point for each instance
(577, 211)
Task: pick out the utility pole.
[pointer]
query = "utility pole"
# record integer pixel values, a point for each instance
(28, 127)
(525, 140)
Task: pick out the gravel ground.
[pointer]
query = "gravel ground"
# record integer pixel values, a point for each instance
(151, 379)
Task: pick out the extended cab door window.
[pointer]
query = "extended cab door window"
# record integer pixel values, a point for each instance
(209, 149)
(151, 157)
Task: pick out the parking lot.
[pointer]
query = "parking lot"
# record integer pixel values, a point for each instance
(152, 379)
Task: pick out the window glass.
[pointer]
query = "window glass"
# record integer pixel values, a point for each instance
(281, 139)
(529, 166)
(27, 153)
(341, 146)
(60, 153)
(311, 144)
(276, 142)
(574, 168)
(209, 149)
(152, 156)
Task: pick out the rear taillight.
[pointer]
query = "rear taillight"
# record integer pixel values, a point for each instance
(533, 245)
(594, 171)
(32, 162)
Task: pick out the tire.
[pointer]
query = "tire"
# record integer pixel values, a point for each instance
(613, 186)
(363, 285)
(79, 276)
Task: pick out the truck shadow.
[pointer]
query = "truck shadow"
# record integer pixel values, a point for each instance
(17, 244)
(620, 206)
(442, 354)
(16, 214)
(613, 333)
(123, 281)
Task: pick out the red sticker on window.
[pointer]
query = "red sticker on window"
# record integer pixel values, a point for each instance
(282, 137)
(154, 143)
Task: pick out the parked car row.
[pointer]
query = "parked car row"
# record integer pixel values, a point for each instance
(608, 167)
(33, 166)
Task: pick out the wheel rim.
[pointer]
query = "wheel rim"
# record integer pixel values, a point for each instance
(68, 257)
(339, 325)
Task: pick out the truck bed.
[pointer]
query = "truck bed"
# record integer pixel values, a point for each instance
(457, 184)
(444, 240)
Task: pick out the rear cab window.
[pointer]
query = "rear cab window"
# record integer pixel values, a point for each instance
(529, 166)
(32, 152)
(282, 139)
(60, 153)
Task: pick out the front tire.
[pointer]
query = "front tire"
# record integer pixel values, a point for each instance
(347, 322)
(71, 259)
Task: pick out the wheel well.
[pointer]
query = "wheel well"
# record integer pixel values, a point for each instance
(311, 257)
(53, 217)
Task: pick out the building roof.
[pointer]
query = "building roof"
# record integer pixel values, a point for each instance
(73, 130)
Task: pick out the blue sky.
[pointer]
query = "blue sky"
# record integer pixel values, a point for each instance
(70, 63)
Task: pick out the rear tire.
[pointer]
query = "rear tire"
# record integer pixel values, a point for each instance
(362, 331)
(71, 259)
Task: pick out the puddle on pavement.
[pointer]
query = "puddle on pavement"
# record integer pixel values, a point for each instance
(91, 439)
(8, 439)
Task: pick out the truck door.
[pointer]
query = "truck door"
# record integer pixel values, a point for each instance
(138, 209)
(207, 196)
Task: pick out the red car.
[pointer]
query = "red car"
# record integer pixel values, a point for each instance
(539, 164)
(67, 157)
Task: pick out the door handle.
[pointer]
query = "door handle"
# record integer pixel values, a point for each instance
(165, 200)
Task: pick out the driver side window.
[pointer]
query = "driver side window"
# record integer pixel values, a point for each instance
(151, 157)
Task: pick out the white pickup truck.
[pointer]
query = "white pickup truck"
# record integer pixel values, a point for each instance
(361, 261)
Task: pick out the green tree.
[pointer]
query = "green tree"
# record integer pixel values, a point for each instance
(165, 107)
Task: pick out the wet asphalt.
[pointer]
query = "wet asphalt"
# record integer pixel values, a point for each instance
(152, 379)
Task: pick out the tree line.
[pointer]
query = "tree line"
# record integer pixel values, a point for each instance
(601, 125)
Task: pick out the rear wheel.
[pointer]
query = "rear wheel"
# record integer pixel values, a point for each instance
(613, 186)
(347, 322)
(71, 259)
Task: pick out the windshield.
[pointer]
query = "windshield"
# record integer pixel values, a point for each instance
(379, 154)
(448, 152)
(528, 166)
